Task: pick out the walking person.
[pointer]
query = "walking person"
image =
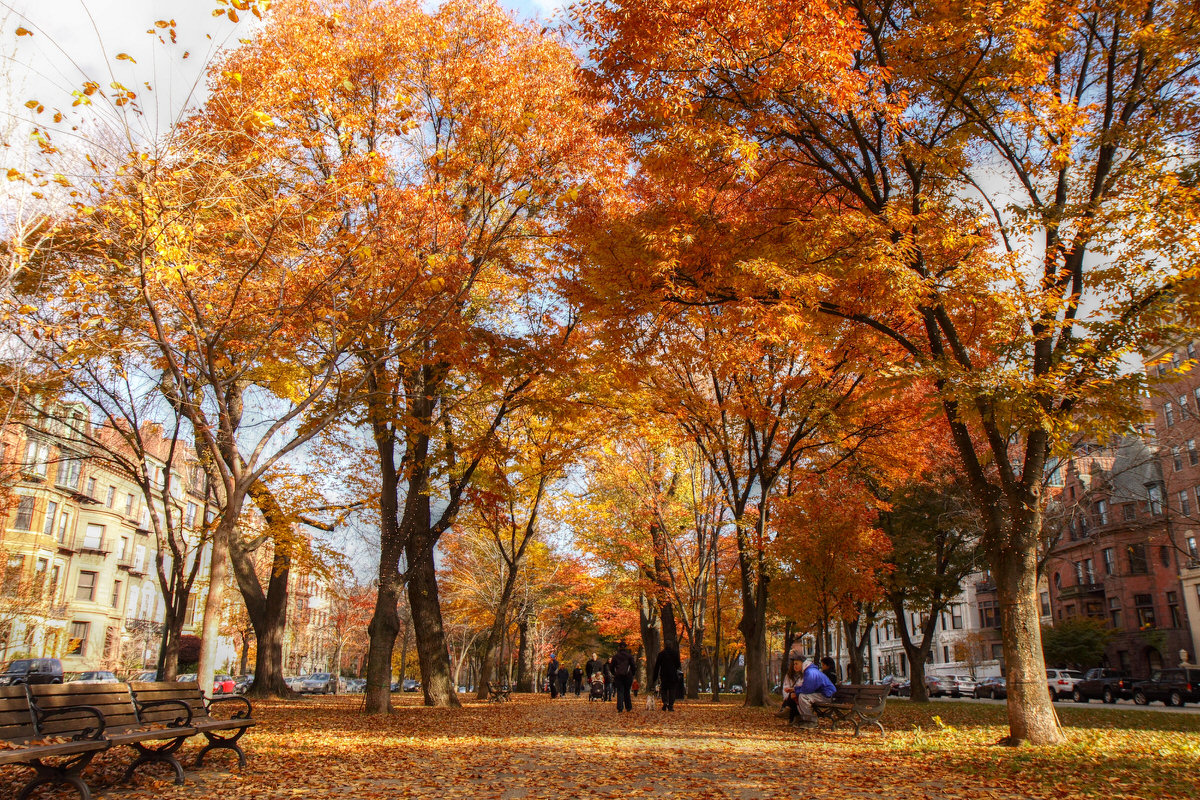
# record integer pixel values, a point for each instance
(563, 676)
(552, 675)
(666, 675)
(623, 665)
(591, 667)
(577, 677)
(607, 673)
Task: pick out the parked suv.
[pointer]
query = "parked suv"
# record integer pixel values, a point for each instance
(32, 670)
(1174, 687)
(961, 685)
(1061, 682)
(1108, 685)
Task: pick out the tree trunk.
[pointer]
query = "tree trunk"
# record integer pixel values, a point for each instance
(754, 629)
(244, 661)
(1031, 714)
(168, 665)
(695, 663)
(524, 681)
(495, 633)
(430, 632)
(385, 622)
(269, 618)
(218, 572)
(648, 623)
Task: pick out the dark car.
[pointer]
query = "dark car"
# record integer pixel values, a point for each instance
(1108, 685)
(1173, 687)
(32, 670)
(993, 688)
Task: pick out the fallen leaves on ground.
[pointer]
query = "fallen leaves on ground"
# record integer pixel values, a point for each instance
(572, 748)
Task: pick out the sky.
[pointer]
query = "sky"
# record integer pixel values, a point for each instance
(73, 38)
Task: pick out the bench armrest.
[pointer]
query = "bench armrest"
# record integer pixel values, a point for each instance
(87, 733)
(178, 722)
(243, 713)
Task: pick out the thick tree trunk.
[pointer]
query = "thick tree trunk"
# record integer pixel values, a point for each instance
(215, 599)
(269, 619)
(753, 626)
(382, 630)
(244, 661)
(648, 624)
(496, 633)
(430, 632)
(524, 679)
(168, 665)
(1031, 714)
(385, 622)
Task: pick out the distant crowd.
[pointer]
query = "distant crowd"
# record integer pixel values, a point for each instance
(616, 677)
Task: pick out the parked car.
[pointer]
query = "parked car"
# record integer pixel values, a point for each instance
(1174, 687)
(294, 683)
(1108, 685)
(961, 685)
(356, 685)
(96, 676)
(410, 685)
(736, 689)
(242, 683)
(31, 670)
(149, 676)
(222, 684)
(1061, 682)
(992, 688)
(321, 683)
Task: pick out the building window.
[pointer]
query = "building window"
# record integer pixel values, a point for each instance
(51, 513)
(1137, 559)
(123, 549)
(190, 517)
(1183, 407)
(1110, 561)
(1114, 612)
(1169, 413)
(997, 651)
(1123, 660)
(1185, 505)
(68, 473)
(1143, 605)
(1192, 552)
(1176, 458)
(1154, 499)
(989, 614)
(111, 496)
(1083, 525)
(24, 520)
(64, 523)
(1089, 570)
(1193, 453)
(945, 654)
(1078, 573)
(55, 575)
(1173, 609)
(129, 505)
(1164, 555)
(77, 640)
(139, 556)
(1129, 511)
(956, 619)
(91, 487)
(37, 454)
(1102, 512)
(116, 594)
(93, 537)
(1045, 598)
(85, 587)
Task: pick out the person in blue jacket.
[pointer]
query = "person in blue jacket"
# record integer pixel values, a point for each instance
(815, 687)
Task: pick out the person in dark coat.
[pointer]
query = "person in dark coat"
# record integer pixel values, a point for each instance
(591, 667)
(666, 675)
(552, 675)
(577, 677)
(830, 669)
(563, 677)
(607, 673)
(623, 666)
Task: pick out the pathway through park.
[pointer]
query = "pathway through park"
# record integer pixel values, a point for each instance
(573, 749)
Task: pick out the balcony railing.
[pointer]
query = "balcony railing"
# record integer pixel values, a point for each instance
(1080, 590)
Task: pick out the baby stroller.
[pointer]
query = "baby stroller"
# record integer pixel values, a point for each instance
(597, 688)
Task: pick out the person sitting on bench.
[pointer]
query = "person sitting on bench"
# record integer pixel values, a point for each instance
(791, 679)
(815, 687)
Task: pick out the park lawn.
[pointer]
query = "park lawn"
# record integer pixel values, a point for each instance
(569, 749)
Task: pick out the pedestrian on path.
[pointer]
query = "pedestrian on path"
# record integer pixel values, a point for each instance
(623, 666)
(552, 675)
(607, 673)
(577, 677)
(666, 675)
(591, 667)
(563, 676)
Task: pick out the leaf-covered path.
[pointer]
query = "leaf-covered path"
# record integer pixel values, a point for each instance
(570, 749)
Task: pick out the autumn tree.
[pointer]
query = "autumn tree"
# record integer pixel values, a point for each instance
(910, 123)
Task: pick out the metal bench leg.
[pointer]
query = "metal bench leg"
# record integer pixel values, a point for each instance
(67, 773)
(150, 755)
(216, 742)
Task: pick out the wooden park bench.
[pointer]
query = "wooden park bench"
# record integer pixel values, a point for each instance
(66, 709)
(23, 740)
(498, 693)
(860, 705)
(222, 732)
